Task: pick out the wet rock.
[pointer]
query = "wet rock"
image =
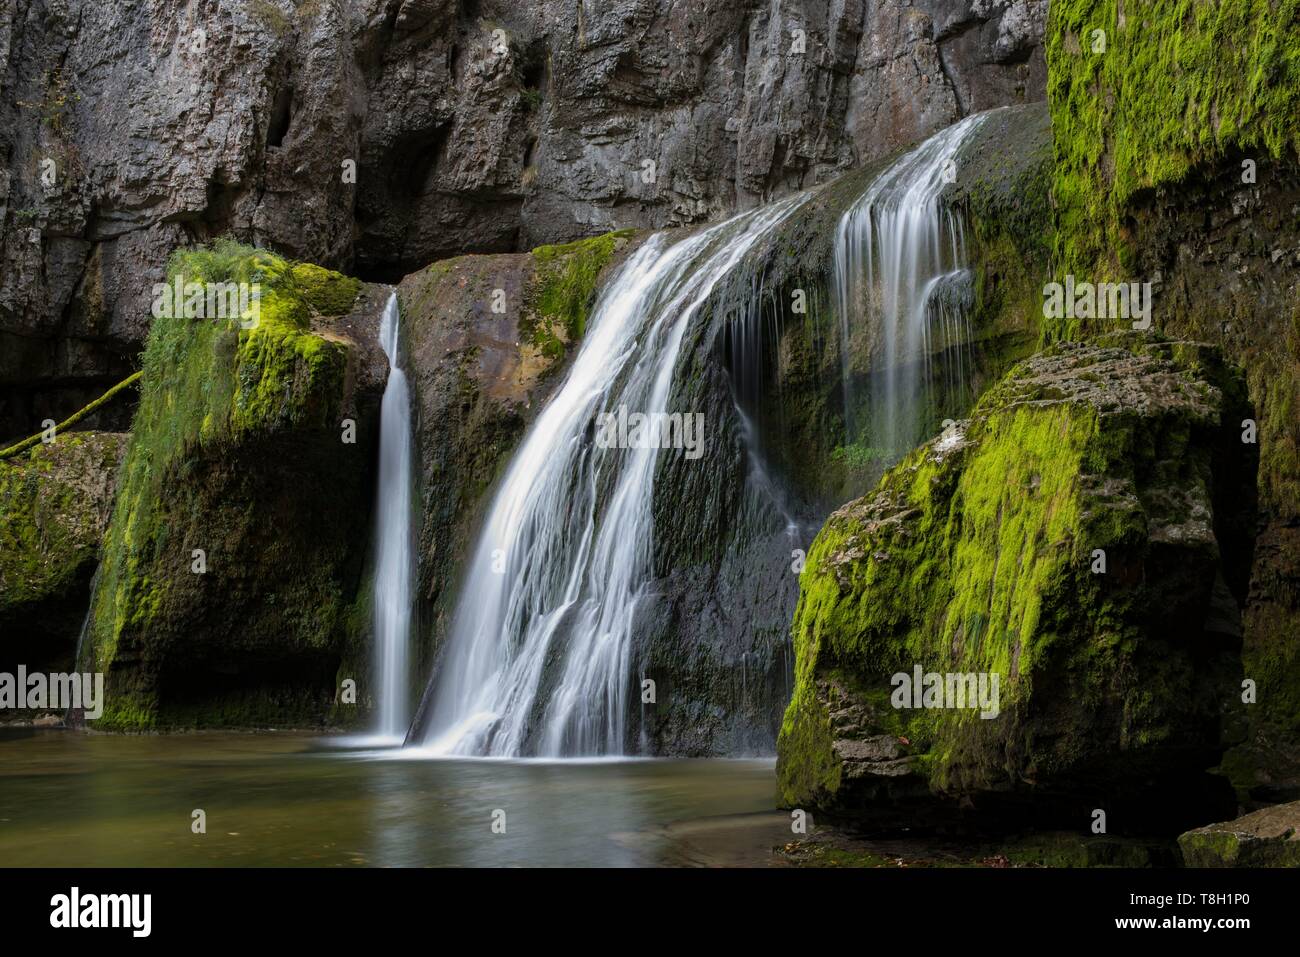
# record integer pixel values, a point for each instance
(55, 502)
(1265, 838)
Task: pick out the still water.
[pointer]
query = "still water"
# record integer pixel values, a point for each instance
(70, 799)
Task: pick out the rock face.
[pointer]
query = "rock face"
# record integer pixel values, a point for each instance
(480, 366)
(379, 135)
(1206, 211)
(1266, 838)
(979, 555)
(54, 506)
(234, 552)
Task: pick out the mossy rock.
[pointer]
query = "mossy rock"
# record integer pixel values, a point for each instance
(54, 506)
(327, 292)
(564, 289)
(241, 517)
(1265, 838)
(1140, 96)
(976, 555)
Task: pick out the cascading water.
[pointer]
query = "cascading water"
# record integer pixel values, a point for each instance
(538, 658)
(900, 259)
(394, 544)
(74, 717)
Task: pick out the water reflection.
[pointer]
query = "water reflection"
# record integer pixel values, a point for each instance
(290, 799)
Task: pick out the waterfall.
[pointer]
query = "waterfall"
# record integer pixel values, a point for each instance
(538, 656)
(900, 258)
(75, 717)
(394, 543)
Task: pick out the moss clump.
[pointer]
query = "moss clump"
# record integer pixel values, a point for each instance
(213, 392)
(976, 555)
(327, 293)
(1071, 850)
(1177, 84)
(565, 287)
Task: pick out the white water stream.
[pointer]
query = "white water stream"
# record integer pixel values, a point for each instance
(394, 541)
(897, 249)
(538, 655)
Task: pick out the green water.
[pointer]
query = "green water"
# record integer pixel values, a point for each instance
(69, 799)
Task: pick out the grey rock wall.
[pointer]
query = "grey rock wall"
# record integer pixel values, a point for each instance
(376, 136)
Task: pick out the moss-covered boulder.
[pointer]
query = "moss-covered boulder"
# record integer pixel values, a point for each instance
(242, 516)
(54, 505)
(1265, 838)
(1083, 540)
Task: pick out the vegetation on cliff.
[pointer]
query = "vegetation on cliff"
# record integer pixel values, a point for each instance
(1177, 161)
(1142, 94)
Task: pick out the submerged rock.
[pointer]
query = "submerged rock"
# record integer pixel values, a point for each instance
(1266, 838)
(1082, 539)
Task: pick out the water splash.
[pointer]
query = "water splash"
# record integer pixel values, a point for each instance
(900, 258)
(538, 659)
(394, 542)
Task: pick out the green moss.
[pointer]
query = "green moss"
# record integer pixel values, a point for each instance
(1183, 94)
(807, 768)
(973, 555)
(1223, 845)
(1071, 850)
(51, 501)
(566, 286)
(327, 292)
(208, 385)
(1178, 84)
(127, 714)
